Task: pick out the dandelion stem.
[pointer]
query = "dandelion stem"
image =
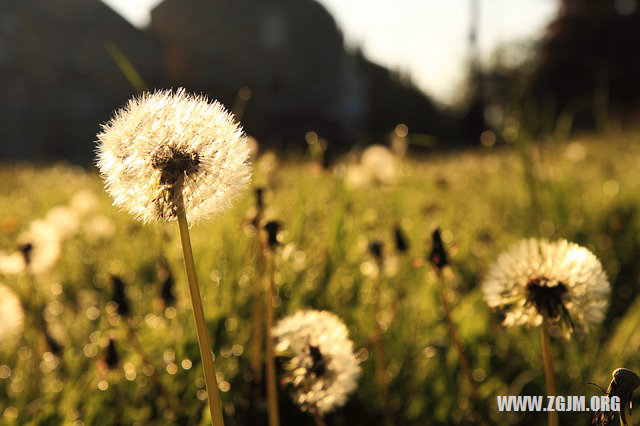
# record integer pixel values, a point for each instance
(548, 370)
(455, 338)
(272, 391)
(201, 326)
(258, 314)
(378, 348)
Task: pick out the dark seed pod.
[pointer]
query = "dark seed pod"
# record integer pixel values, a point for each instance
(26, 249)
(119, 296)
(402, 244)
(438, 256)
(376, 249)
(272, 228)
(623, 383)
(53, 345)
(111, 358)
(165, 276)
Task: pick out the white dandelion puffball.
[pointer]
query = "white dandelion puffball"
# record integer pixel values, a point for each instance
(381, 164)
(167, 149)
(85, 202)
(560, 281)
(11, 313)
(39, 247)
(65, 220)
(322, 369)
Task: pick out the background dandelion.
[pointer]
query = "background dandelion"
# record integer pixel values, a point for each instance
(11, 314)
(319, 365)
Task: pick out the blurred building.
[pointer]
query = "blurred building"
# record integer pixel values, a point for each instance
(590, 62)
(59, 82)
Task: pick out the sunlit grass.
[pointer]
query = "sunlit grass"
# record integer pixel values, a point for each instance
(589, 192)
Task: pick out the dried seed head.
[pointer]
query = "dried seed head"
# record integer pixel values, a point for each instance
(320, 368)
(623, 383)
(538, 279)
(438, 256)
(376, 249)
(119, 296)
(167, 151)
(111, 358)
(272, 228)
(402, 244)
(168, 282)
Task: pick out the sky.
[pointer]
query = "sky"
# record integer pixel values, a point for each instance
(424, 39)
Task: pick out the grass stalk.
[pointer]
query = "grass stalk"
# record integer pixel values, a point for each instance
(548, 369)
(378, 348)
(455, 338)
(201, 327)
(272, 390)
(258, 314)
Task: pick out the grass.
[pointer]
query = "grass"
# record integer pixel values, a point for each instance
(588, 190)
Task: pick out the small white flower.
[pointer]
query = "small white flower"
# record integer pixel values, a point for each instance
(537, 279)
(11, 313)
(168, 148)
(322, 369)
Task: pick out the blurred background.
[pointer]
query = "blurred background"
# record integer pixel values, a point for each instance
(350, 71)
(374, 121)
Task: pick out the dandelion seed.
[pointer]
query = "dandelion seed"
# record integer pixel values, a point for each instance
(11, 314)
(321, 367)
(558, 281)
(168, 150)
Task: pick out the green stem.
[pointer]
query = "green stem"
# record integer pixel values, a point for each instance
(272, 390)
(201, 327)
(548, 370)
(378, 348)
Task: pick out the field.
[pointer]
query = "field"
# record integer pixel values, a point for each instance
(586, 190)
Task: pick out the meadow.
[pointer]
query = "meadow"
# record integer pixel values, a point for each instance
(586, 190)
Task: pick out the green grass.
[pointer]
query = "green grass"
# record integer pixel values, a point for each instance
(481, 201)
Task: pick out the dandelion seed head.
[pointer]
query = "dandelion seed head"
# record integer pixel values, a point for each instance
(167, 148)
(39, 247)
(381, 164)
(85, 202)
(65, 220)
(11, 313)
(322, 370)
(560, 281)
